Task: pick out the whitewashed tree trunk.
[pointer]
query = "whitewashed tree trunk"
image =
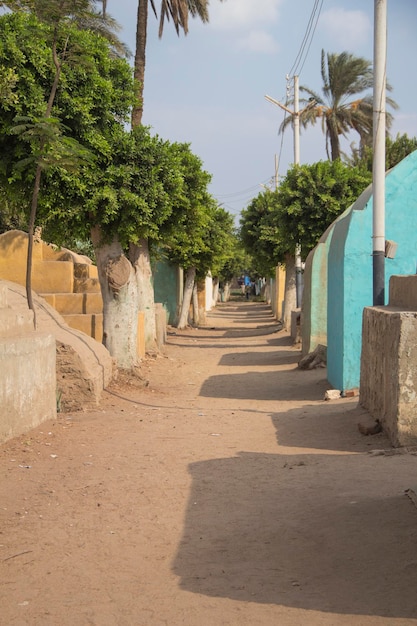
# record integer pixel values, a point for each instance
(290, 297)
(119, 290)
(215, 296)
(140, 258)
(188, 291)
(196, 312)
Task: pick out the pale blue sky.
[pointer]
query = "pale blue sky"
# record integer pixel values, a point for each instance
(208, 88)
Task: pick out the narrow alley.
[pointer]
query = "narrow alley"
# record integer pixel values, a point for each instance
(221, 491)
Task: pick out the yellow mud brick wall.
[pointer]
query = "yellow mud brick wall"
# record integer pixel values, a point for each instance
(75, 295)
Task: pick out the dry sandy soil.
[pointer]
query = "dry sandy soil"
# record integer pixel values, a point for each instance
(226, 492)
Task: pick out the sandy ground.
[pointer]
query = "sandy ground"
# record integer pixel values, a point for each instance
(226, 492)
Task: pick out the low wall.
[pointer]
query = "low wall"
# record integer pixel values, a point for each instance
(27, 371)
(27, 383)
(388, 377)
(84, 368)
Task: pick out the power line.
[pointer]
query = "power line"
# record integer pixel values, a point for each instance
(311, 38)
(244, 191)
(302, 54)
(301, 57)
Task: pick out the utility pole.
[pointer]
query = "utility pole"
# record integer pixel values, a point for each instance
(296, 122)
(378, 169)
(296, 129)
(295, 117)
(276, 172)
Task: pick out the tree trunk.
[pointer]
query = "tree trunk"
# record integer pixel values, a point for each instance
(140, 60)
(290, 298)
(37, 183)
(196, 313)
(120, 294)
(186, 301)
(216, 289)
(334, 140)
(141, 260)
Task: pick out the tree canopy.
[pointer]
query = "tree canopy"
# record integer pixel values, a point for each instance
(309, 199)
(395, 151)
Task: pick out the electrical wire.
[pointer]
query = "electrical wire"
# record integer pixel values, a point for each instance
(297, 67)
(229, 196)
(311, 38)
(301, 57)
(307, 39)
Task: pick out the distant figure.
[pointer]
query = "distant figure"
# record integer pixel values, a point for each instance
(247, 286)
(241, 283)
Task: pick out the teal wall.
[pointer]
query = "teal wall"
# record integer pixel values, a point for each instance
(166, 279)
(314, 309)
(349, 280)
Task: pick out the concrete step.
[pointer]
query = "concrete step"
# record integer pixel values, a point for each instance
(86, 285)
(75, 303)
(51, 277)
(14, 323)
(90, 324)
(85, 270)
(86, 278)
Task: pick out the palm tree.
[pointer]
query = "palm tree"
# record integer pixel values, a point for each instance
(178, 11)
(341, 108)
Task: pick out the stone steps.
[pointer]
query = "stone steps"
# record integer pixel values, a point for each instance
(67, 281)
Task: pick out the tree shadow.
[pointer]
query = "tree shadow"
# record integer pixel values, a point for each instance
(314, 532)
(281, 385)
(261, 359)
(329, 425)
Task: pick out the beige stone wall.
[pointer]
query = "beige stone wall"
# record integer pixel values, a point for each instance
(84, 366)
(27, 372)
(388, 379)
(66, 280)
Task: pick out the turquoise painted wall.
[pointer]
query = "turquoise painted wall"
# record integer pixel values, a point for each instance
(166, 279)
(314, 309)
(350, 267)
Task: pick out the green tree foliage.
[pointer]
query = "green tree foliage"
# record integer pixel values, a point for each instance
(8, 80)
(94, 95)
(81, 14)
(93, 99)
(309, 199)
(128, 192)
(200, 231)
(222, 238)
(259, 237)
(44, 132)
(395, 151)
(238, 263)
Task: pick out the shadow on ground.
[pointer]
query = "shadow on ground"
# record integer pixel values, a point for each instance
(280, 385)
(320, 532)
(327, 426)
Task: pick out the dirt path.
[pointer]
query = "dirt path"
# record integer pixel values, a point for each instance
(226, 492)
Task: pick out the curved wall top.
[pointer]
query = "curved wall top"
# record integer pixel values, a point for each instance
(350, 267)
